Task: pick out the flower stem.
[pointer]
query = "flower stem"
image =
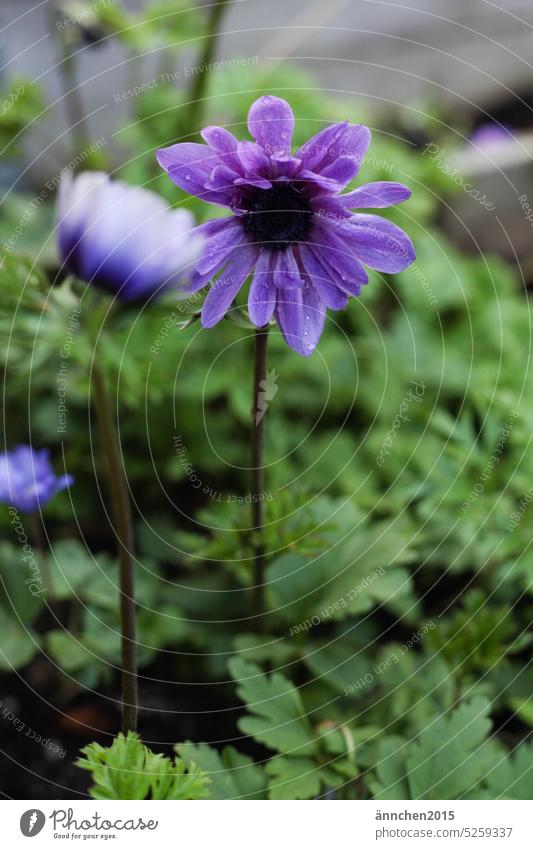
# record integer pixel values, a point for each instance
(39, 542)
(199, 82)
(258, 474)
(124, 530)
(71, 90)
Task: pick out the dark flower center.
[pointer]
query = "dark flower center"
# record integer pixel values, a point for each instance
(279, 216)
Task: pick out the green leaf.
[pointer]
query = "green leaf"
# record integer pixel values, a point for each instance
(129, 770)
(390, 780)
(450, 756)
(22, 283)
(85, 660)
(293, 778)
(17, 645)
(232, 775)
(448, 759)
(512, 777)
(524, 708)
(339, 664)
(278, 716)
(71, 567)
(18, 593)
(347, 579)
(413, 686)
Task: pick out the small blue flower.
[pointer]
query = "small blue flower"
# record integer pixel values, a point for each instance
(27, 479)
(122, 238)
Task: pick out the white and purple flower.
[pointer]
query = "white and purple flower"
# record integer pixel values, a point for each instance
(27, 479)
(123, 239)
(291, 227)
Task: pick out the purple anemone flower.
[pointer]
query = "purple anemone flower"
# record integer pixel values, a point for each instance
(123, 239)
(292, 227)
(27, 479)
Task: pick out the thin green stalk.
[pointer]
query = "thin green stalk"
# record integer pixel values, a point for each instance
(258, 475)
(199, 81)
(124, 530)
(71, 90)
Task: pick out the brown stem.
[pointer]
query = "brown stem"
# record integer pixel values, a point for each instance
(39, 543)
(258, 474)
(124, 531)
(199, 82)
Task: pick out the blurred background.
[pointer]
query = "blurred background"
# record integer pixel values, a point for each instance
(440, 503)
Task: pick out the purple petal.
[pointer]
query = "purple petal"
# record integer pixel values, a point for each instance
(74, 201)
(332, 296)
(222, 178)
(253, 159)
(284, 169)
(220, 245)
(353, 143)
(197, 281)
(224, 143)
(63, 482)
(378, 243)
(341, 261)
(225, 287)
(190, 165)
(289, 313)
(323, 184)
(207, 231)
(375, 196)
(339, 140)
(286, 271)
(262, 295)
(315, 149)
(342, 170)
(314, 311)
(221, 140)
(258, 182)
(27, 478)
(128, 240)
(211, 227)
(271, 123)
(301, 314)
(328, 207)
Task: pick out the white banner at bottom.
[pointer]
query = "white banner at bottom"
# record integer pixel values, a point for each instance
(263, 825)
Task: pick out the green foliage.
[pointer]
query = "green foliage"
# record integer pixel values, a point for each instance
(232, 775)
(394, 660)
(279, 719)
(21, 102)
(447, 760)
(308, 760)
(512, 776)
(129, 770)
(19, 643)
(161, 26)
(478, 636)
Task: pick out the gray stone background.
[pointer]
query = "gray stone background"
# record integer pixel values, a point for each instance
(469, 56)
